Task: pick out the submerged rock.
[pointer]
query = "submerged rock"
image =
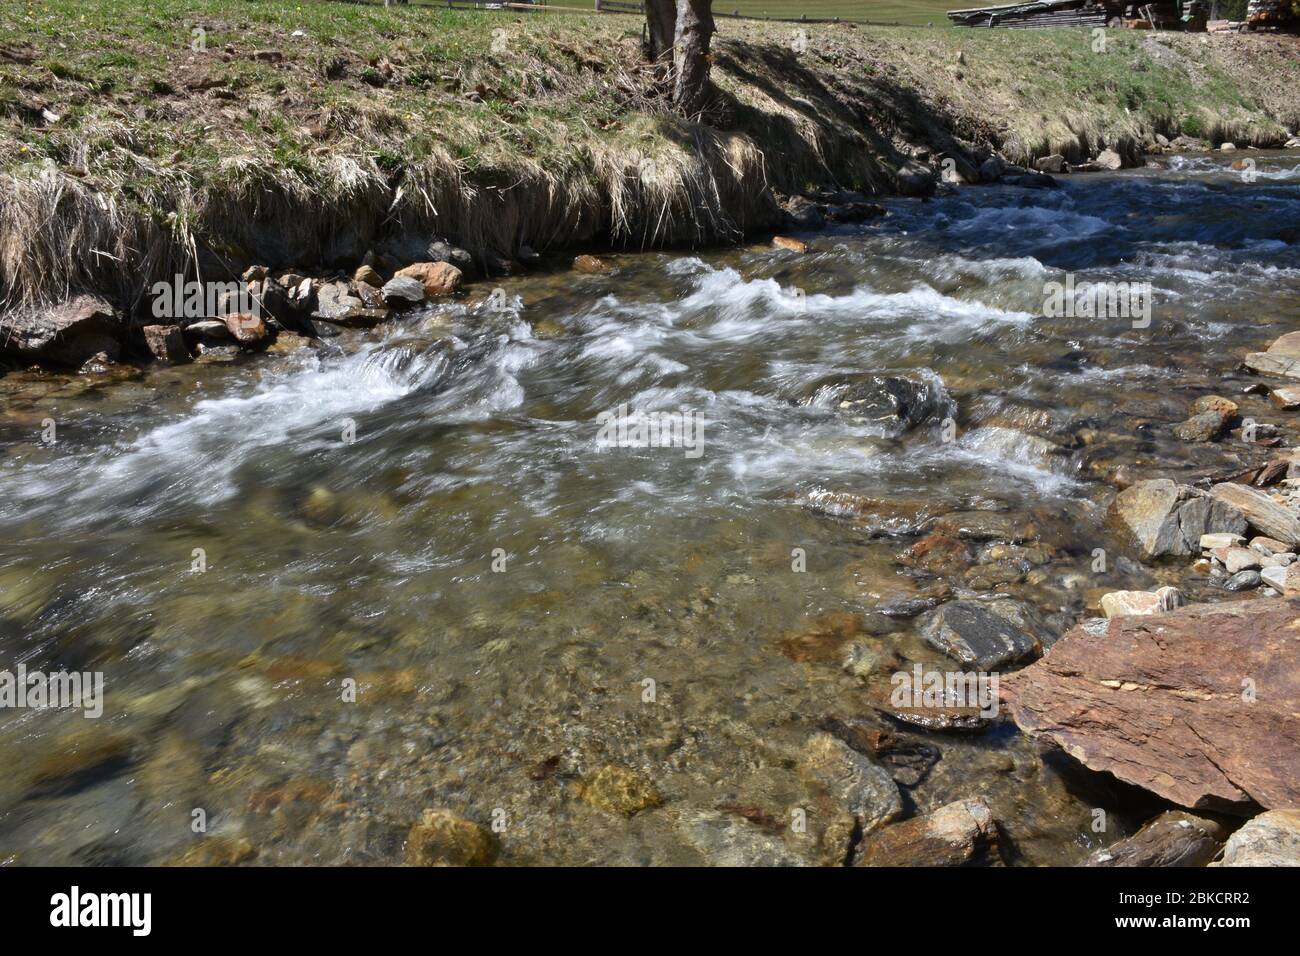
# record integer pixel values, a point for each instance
(896, 403)
(1168, 702)
(907, 762)
(218, 850)
(1009, 444)
(1175, 838)
(590, 265)
(615, 788)
(889, 516)
(724, 839)
(986, 526)
(959, 834)
(851, 781)
(939, 553)
(443, 838)
(986, 635)
(822, 638)
(1271, 839)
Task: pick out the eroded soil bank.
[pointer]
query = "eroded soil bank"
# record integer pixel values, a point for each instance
(203, 138)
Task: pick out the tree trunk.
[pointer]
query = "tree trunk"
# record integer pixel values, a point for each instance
(691, 57)
(661, 18)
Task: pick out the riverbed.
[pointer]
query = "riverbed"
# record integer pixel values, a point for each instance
(425, 513)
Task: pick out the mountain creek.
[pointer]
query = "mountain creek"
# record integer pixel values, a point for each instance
(395, 580)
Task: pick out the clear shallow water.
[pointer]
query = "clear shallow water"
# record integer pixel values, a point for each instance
(476, 438)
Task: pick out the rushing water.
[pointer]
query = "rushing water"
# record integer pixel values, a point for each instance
(476, 449)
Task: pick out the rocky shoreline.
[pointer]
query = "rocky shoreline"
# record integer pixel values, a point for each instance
(1194, 703)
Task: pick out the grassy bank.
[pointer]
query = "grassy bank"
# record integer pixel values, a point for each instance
(138, 139)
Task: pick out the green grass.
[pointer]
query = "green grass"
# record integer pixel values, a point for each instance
(905, 12)
(319, 127)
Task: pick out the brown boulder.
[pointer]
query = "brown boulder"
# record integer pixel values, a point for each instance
(166, 343)
(246, 328)
(439, 278)
(1197, 706)
(959, 834)
(1174, 838)
(366, 275)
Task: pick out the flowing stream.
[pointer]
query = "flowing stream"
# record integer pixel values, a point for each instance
(426, 509)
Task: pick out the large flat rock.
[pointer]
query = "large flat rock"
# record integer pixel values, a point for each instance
(1282, 357)
(1199, 706)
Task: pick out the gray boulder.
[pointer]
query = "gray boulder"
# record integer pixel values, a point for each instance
(1260, 511)
(1271, 839)
(403, 291)
(986, 635)
(1161, 517)
(66, 334)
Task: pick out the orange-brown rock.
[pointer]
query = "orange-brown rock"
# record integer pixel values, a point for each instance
(1198, 706)
(793, 245)
(439, 278)
(822, 637)
(590, 265)
(245, 328)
